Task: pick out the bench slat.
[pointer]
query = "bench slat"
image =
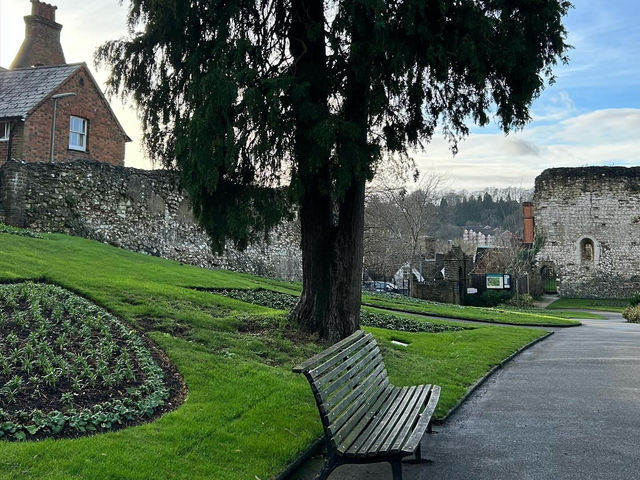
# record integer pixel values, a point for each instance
(421, 427)
(356, 411)
(329, 352)
(339, 356)
(350, 363)
(364, 436)
(404, 427)
(353, 389)
(338, 381)
(381, 426)
(390, 422)
(351, 430)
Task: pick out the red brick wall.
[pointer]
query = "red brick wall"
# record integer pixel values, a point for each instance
(105, 140)
(529, 223)
(16, 148)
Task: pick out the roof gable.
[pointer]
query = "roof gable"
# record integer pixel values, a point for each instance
(23, 89)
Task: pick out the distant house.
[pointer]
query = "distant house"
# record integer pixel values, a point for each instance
(40, 83)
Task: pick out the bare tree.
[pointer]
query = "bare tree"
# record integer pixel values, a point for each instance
(397, 219)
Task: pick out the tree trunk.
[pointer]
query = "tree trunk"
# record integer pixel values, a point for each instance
(332, 266)
(333, 222)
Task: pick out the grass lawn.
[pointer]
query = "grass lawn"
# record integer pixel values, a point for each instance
(495, 315)
(246, 415)
(602, 304)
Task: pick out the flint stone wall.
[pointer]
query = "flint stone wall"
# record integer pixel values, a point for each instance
(597, 203)
(139, 210)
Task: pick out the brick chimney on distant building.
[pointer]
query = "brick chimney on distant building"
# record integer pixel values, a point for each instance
(41, 44)
(529, 223)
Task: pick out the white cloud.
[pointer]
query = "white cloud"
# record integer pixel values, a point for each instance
(603, 137)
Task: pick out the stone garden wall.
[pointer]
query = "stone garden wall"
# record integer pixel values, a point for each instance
(590, 218)
(139, 210)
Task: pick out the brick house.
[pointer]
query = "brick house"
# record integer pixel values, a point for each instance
(40, 83)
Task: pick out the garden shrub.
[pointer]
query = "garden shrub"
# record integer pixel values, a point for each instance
(632, 313)
(522, 301)
(634, 300)
(488, 298)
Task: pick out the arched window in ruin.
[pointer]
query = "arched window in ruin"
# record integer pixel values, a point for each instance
(587, 250)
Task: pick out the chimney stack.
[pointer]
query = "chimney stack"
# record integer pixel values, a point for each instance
(429, 247)
(529, 223)
(41, 44)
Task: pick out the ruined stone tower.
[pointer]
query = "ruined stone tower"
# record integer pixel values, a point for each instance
(590, 220)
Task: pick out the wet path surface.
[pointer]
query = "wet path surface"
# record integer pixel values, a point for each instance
(568, 408)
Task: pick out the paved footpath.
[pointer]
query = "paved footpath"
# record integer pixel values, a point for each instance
(568, 408)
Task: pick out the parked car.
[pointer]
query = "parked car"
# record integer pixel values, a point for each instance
(378, 286)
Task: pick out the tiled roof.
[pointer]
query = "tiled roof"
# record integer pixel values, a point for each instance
(21, 90)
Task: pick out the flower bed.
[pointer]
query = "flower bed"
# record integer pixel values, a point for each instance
(68, 367)
(284, 301)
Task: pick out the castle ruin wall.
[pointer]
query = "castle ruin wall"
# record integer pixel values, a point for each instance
(139, 210)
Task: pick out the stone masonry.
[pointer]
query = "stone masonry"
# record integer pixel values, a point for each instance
(139, 210)
(590, 219)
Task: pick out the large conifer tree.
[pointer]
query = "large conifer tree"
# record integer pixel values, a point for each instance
(267, 106)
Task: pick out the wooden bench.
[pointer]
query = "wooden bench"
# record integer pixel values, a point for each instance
(365, 418)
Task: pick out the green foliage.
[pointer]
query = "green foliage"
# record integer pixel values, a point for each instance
(265, 298)
(632, 313)
(403, 323)
(241, 95)
(23, 232)
(488, 298)
(285, 301)
(493, 315)
(634, 300)
(522, 301)
(56, 345)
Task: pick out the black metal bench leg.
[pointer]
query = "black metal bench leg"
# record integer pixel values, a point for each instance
(396, 469)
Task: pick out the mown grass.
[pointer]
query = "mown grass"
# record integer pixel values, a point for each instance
(493, 315)
(600, 304)
(246, 415)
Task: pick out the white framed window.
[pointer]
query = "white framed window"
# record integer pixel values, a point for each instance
(78, 134)
(5, 131)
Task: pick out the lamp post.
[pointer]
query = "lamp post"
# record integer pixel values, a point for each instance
(53, 121)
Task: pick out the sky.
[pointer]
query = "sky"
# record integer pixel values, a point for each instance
(590, 116)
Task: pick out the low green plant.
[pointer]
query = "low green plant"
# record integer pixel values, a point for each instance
(488, 298)
(634, 300)
(403, 324)
(522, 301)
(71, 346)
(23, 232)
(632, 313)
(286, 301)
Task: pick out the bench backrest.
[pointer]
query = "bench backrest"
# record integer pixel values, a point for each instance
(346, 380)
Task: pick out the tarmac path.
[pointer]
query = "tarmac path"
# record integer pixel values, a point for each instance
(567, 408)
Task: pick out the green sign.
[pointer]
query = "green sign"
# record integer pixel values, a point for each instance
(495, 280)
